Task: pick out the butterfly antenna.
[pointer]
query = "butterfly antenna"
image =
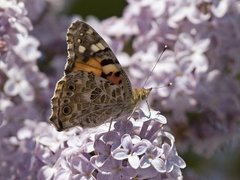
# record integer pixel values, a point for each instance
(165, 85)
(165, 47)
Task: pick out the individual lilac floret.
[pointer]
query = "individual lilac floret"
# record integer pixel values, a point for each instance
(130, 151)
(116, 169)
(173, 162)
(152, 158)
(136, 148)
(103, 147)
(75, 167)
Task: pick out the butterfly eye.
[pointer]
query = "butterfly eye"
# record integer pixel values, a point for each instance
(66, 110)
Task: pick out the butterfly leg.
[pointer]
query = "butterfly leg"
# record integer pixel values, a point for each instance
(110, 124)
(148, 109)
(129, 117)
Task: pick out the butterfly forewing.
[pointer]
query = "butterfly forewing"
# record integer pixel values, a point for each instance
(87, 51)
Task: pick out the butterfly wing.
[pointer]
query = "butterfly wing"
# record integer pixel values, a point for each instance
(95, 87)
(87, 51)
(83, 99)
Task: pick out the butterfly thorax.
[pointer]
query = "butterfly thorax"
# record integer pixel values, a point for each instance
(140, 94)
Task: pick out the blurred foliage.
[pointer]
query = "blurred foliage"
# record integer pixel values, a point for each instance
(100, 9)
(225, 164)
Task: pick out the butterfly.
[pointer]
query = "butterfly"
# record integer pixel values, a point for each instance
(94, 87)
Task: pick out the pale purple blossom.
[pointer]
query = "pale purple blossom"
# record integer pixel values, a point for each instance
(13, 22)
(130, 151)
(97, 154)
(203, 40)
(24, 93)
(17, 84)
(117, 170)
(202, 62)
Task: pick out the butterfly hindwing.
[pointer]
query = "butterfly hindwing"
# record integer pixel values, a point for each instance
(83, 99)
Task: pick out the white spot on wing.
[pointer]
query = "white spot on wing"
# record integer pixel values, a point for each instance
(109, 68)
(89, 31)
(94, 48)
(100, 45)
(81, 49)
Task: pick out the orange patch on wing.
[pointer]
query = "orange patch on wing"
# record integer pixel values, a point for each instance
(114, 80)
(92, 65)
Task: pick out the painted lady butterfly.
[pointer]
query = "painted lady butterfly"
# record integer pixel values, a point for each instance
(94, 88)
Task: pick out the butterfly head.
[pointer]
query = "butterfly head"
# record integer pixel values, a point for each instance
(140, 94)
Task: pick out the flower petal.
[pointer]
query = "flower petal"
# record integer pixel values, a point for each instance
(148, 173)
(178, 161)
(134, 161)
(98, 161)
(144, 162)
(45, 173)
(159, 165)
(26, 91)
(169, 166)
(120, 154)
(89, 147)
(11, 88)
(127, 142)
(140, 148)
(99, 146)
(129, 171)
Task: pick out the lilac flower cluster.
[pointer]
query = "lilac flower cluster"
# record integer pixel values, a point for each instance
(24, 94)
(202, 60)
(30, 147)
(18, 68)
(139, 148)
